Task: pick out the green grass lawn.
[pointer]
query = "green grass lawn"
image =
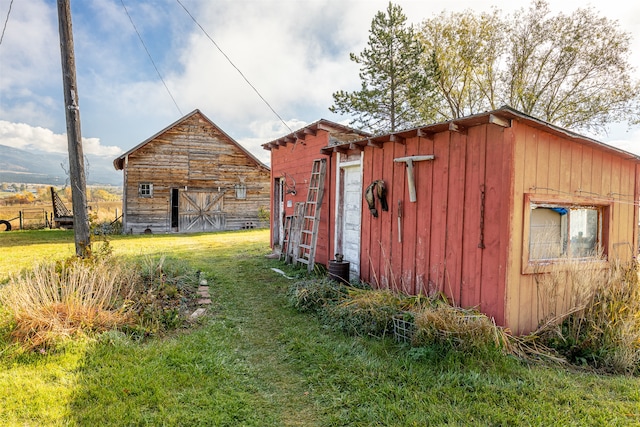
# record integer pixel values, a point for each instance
(255, 361)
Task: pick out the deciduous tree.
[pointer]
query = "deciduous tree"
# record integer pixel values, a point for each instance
(570, 70)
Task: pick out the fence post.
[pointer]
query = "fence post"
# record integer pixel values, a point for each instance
(21, 222)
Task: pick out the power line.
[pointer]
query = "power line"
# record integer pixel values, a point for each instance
(234, 66)
(150, 57)
(5, 21)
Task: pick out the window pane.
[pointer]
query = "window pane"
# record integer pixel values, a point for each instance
(547, 233)
(584, 232)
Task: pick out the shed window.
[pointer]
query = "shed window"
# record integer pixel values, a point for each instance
(558, 231)
(145, 189)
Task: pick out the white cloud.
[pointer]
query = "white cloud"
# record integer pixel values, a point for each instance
(296, 53)
(26, 137)
(625, 139)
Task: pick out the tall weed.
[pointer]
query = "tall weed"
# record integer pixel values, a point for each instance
(54, 301)
(601, 326)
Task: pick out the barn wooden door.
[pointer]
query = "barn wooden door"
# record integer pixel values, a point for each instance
(201, 211)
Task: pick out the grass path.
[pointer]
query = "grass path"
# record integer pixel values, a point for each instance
(256, 362)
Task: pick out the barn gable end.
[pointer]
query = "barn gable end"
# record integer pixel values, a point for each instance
(191, 177)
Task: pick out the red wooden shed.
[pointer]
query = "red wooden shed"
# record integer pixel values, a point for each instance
(497, 198)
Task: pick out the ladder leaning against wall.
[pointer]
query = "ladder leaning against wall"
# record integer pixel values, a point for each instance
(306, 248)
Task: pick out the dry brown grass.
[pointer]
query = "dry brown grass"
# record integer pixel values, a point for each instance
(599, 323)
(460, 328)
(55, 301)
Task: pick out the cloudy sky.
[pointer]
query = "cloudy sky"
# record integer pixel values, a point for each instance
(294, 52)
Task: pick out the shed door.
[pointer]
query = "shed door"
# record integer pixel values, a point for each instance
(349, 214)
(201, 211)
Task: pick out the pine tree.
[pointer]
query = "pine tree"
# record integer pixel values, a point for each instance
(395, 86)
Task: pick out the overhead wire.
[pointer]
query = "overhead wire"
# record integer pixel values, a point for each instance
(234, 66)
(6, 21)
(150, 57)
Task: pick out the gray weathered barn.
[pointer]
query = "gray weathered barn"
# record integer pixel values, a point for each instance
(192, 177)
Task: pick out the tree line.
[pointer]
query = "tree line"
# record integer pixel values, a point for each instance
(567, 69)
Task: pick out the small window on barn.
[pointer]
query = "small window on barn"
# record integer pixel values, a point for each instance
(145, 189)
(241, 191)
(557, 231)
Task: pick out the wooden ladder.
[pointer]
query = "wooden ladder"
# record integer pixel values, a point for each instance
(306, 249)
(285, 251)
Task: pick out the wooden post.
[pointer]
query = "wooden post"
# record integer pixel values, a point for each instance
(74, 137)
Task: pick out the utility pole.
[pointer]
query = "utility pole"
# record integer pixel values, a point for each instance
(74, 136)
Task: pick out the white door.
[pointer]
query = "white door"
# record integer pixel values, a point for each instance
(349, 214)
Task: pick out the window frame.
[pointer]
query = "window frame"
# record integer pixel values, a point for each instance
(241, 191)
(145, 193)
(604, 207)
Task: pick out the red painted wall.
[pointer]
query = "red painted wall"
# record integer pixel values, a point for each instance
(439, 249)
(463, 237)
(296, 159)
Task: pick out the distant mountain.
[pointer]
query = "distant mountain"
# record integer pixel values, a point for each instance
(39, 167)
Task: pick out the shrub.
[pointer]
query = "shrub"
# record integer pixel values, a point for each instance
(55, 301)
(369, 312)
(162, 294)
(314, 294)
(441, 324)
(354, 310)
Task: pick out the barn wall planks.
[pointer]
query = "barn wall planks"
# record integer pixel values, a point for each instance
(194, 157)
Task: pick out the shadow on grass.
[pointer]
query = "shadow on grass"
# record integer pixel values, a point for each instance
(255, 361)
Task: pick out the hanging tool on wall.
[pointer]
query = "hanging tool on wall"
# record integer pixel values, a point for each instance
(399, 221)
(410, 179)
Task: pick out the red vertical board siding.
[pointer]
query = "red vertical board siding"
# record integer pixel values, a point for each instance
(407, 246)
(530, 138)
(366, 266)
(421, 212)
(471, 252)
(565, 164)
(596, 172)
(377, 262)
(543, 162)
(554, 168)
(455, 210)
(294, 161)
(439, 212)
(625, 248)
(616, 193)
(514, 293)
(576, 168)
(496, 211)
(402, 267)
(389, 260)
(587, 171)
